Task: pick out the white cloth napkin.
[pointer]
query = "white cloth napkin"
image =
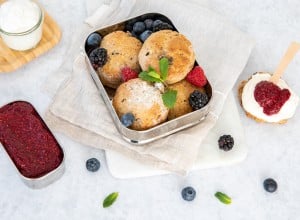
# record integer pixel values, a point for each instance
(79, 112)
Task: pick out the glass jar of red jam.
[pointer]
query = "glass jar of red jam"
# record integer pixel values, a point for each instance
(30, 144)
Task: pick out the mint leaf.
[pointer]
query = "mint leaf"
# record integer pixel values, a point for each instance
(163, 67)
(169, 98)
(154, 74)
(145, 76)
(223, 198)
(150, 68)
(110, 199)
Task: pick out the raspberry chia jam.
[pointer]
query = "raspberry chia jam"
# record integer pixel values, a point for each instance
(270, 97)
(28, 141)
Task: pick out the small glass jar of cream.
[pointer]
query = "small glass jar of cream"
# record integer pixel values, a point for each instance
(21, 24)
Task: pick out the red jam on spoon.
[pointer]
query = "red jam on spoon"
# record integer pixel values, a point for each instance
(270, 97)
(28, 141)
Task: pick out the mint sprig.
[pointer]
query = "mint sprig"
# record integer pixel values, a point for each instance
(149, 77)
(110, 199)
(169, 97)
(223, 198)
(163, 67)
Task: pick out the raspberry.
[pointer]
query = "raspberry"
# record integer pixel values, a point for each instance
(128, 73)
(196, 77)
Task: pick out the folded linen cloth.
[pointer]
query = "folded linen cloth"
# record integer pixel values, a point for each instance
(222, 50)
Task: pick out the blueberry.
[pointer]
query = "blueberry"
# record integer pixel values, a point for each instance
(127, 119)
(145, 35)
(156, 22)
(129, 24)
(93, 41)
(148, 23)
(188, 193)
(92, 164)
(128, 27)
(270, 185)
(134, 34)
(162, 26)
(139, 27)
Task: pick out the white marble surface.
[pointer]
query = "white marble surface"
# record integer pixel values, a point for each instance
(273, 150)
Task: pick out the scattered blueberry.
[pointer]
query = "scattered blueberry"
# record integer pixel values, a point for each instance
(188, 193)
(98, 57)
(226, 142)
(92, 164)
(270, 185)
(139, 27)
(93, 41)
(198, 100)
(145, 35)
(127, 119)
(148, 23)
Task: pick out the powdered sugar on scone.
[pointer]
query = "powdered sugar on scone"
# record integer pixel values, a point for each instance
(143, 100)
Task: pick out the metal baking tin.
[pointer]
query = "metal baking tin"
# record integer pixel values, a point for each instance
(45, 180)
(161, 130)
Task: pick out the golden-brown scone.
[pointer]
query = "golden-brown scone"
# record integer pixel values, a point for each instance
(259, 120)
(182, 106)
(143, 100)
(172, 45)
(122, 50)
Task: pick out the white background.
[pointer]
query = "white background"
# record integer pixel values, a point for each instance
(273, 149)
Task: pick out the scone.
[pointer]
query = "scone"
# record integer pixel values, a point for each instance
(172, 45)
(122, 51)
(143, 100)
(264, 101)
(182, 106)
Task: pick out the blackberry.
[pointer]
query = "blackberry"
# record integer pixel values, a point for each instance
(162, 26)
(98, 57)
(226, 142)
(270, 185)
(198, 100)
(127, 119)
(92, 164)
(188, 193)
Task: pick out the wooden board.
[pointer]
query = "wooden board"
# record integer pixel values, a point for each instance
(11, 60)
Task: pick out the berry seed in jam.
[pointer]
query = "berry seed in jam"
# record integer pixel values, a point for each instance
(28, 141)
(270, 97)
